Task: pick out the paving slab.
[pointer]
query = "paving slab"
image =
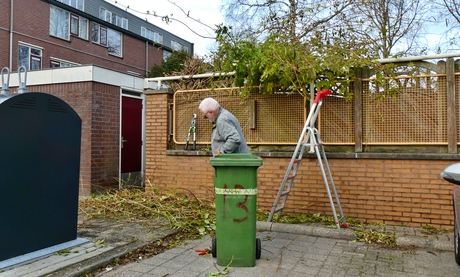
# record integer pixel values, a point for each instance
(287, 250)
(294, 254)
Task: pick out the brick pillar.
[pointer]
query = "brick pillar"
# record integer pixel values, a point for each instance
(156, 130)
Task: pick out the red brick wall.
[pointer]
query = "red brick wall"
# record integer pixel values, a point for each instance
(409, 192)
(5, 19)
(4, 33)
(105, 135)
(396, 192)
(4, 36)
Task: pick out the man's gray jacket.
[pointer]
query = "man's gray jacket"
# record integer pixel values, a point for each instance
(227, 135)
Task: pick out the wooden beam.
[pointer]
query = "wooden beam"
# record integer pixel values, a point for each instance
(451, 107)
(358, 109)
(252, 114)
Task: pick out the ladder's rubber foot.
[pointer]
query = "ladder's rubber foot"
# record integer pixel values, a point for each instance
(345, 225)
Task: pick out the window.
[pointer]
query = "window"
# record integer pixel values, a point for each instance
(105, 15)
(158, 38)
(61, 28)
(154, 36)
(59, 23)
(55, 62)
(79, 26)
(178, 47)
(146, 33)
(83, 32)
(113, 18)
(120, 21)
(114, 42)
(107, 37)
(77, 4)
(74, 25)
(30, 57)
(99, 34)
(166, 55)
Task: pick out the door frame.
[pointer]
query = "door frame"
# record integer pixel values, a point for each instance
(141, 96)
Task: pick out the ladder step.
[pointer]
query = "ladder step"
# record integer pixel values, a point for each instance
(297, 160)
(291, 176)
(284, 192)
(279, 208)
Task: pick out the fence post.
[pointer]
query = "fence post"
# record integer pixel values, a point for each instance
(451, 107)
(358, 108)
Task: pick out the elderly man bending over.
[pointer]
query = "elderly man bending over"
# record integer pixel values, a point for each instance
(227, 136)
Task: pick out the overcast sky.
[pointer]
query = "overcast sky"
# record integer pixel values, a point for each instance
(206, 11)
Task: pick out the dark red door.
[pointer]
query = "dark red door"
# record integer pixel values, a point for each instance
(131, 144)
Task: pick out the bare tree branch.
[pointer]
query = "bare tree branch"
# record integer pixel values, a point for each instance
(170, 18)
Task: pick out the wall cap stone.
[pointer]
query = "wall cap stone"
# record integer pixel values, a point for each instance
(383, 156)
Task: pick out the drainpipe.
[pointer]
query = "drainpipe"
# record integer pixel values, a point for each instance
(11, 36)
(146, 57)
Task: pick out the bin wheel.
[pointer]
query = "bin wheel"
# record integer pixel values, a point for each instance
(258, 248)
(214, 248)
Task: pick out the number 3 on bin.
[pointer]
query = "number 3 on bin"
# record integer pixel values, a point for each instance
(240, 205)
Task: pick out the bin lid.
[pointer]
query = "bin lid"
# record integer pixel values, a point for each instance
(236, 160)
(452, 173)
(4, 97)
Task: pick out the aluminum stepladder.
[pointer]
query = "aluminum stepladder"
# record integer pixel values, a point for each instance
(309, 137)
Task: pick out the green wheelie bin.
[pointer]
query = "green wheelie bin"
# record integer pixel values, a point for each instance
(235, 186)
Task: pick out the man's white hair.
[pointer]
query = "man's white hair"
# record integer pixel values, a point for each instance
(209, 104)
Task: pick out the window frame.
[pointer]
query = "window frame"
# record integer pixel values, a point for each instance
(108, 14)
(101, 34)
(151, 35)
(105, 37)
(77, 26)
(160, 41)
(179, 47)
(79, 29)
(54, 62)
(83, 35)
(66, 34)
(113, 18)
(59, 62)
(34, 54)
(34, 59)
(119, 50)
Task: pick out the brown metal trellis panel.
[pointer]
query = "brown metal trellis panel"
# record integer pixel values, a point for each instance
(278, 117)
(415, 115)
(336, 122)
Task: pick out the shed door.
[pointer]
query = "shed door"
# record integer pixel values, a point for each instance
(131, 141)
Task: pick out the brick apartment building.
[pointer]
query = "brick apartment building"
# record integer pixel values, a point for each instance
(41, 34)
(92, 55)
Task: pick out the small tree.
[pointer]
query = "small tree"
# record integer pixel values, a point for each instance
(175, 62)
(287, 45)
(296, 46)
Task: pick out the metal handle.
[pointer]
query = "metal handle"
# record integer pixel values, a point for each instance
(22, 85)
(5, 85)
